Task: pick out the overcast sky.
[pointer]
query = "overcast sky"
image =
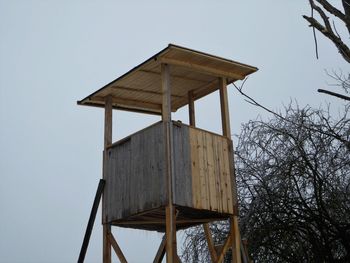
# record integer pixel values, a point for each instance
(53, 53)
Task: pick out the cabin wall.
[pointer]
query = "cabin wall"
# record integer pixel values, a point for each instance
(135, 178)
(136, 172)
(211, 172)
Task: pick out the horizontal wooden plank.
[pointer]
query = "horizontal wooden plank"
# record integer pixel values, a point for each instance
(202, 69)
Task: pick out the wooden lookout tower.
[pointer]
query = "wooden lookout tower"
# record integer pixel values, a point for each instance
(170, 175)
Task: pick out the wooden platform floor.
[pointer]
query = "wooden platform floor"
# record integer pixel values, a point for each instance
(154, 220)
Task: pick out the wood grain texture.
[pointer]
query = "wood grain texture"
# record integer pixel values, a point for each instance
(137, 177)
(225, 115)
(191, 109)
(106, 253)
(210, 241)
(136, 180)
(182, 166)
(211, 184)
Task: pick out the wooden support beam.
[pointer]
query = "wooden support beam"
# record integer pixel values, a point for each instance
(161, 251)
(144, 91)
(178, 260)
(225, 247)
(166, 90)
(160, 221)
(236, 238)
(244, 252)
(170, 217)
(202, 69)
(226, 129)
(198, 93)
(225, 115)
(131, 103)
(107, 141)
(170, 228)
(210, 242)
(91, 221)
(117, 249)
(108, 122)
(178, 77)
(191, 109)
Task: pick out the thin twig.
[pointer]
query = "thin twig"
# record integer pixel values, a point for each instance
(314, 31)
(255, 103)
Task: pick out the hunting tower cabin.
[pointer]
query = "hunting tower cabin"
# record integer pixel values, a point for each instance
(170, 175)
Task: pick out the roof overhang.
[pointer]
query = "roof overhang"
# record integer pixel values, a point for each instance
(192, 71)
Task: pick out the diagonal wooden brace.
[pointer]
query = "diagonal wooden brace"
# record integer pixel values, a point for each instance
(116, 248)
(208, 236)
(224, 249)
(161, 251)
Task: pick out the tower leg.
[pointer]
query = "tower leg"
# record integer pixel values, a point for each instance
(107, 258)
(171, 253)
(107, 141)
(236, 240)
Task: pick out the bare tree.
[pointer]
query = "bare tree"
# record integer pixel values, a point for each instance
(294, 189)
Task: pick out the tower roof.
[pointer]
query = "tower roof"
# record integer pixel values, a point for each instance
(140, 89)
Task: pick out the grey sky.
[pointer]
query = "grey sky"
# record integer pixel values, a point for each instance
(53, 53)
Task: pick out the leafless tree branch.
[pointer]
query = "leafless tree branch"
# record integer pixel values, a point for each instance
(326, 29)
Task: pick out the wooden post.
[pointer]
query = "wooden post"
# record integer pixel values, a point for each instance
(225, 115)
(191, 110)
(226, 130)
(170, 210)
(107, 141)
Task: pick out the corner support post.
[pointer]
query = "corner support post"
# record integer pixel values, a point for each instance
(107, 258)
(170, 217)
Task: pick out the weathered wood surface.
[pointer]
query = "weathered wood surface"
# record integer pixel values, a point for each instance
(182, 166)
(107, 141)
(136, 180)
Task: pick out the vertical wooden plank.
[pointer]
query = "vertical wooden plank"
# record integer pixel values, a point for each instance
(223, 176)
(211, 172)
(196, 189)
(191, 109)
(170, 211)
(161, 164)
(182, 166)
(227, 173)
(217, 172)
(225, 116)
(202, 172)
(107, 141)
